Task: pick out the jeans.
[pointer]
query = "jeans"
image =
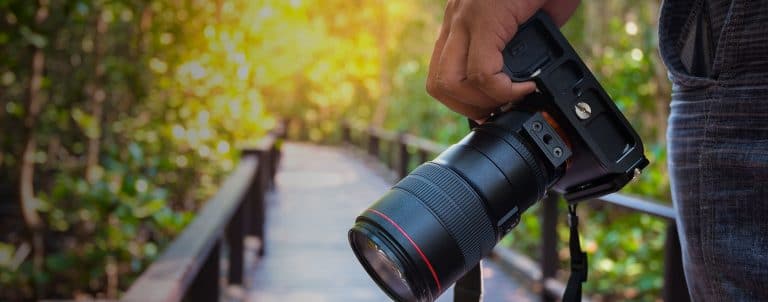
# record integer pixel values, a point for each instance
(718, 146)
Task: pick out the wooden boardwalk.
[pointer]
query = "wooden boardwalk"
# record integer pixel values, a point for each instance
(320, 191)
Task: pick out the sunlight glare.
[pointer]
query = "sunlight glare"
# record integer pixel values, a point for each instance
(266, 12)
(203, 117)
(204, 151)
(209, 32)
(242, 72)
(158, 65)
(193, 69)
(631, 28)
(178, 131)
(166, 38)
(181, 161)
(222, 147)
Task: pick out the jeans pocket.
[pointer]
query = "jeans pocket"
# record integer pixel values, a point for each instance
(696, 50)
(677, 24)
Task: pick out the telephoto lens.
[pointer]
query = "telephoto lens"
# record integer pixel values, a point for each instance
(438, 222)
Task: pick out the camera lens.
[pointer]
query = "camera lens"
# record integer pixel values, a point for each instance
(381, 262)
(439, 221)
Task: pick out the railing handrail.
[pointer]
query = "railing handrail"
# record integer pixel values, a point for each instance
(640, 205)
(171, 274)
(632, 203)
(675, 288)
(188, 267)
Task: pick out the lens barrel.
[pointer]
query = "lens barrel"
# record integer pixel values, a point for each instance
(439, 221)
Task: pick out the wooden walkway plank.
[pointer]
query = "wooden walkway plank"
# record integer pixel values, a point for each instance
(319, 192)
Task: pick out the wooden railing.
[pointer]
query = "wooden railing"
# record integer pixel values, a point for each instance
(401, 149)
(188, 269)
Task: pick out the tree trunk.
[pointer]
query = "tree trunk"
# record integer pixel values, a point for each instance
(97, 97)
(27, 200)
(144, 28)
(663, 86)
(385, 78)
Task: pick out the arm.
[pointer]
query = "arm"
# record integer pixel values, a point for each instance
(465, 68)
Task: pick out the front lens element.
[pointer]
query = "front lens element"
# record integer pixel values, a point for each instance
(381, 264)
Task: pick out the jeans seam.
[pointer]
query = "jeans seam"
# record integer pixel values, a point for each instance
(706, 249)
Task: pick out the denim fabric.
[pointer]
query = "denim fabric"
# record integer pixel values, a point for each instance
(718, 149)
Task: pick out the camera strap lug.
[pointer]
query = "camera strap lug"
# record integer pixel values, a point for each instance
(579, 265)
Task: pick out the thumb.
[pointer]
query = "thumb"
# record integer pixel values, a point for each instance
(484, 69)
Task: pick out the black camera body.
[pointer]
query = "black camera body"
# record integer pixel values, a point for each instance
(607, 152)
(439, 221)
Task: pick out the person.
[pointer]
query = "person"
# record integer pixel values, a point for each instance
(716, 52)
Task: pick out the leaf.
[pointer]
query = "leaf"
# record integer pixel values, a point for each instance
(150, 208)
(87, 123)
(136, 153)
(58, 262)
(33, 38)
(150, 250)
(6, 254)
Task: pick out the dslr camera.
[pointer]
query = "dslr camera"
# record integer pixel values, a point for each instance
(438, 222)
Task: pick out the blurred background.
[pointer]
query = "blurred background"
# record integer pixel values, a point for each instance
(121, 117)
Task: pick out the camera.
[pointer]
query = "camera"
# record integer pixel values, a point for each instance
(439, 221)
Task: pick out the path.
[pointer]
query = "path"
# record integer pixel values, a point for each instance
(320, 191)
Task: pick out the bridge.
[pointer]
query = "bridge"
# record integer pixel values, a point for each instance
(276, 230)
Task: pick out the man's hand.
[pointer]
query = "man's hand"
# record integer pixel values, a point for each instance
(465, 72)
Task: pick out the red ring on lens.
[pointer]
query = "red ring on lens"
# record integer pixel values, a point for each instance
(416, 246)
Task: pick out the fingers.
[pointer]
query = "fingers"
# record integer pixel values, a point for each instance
(452, 71)
(445, 28)
(467, 110)
(484, 70)
(465, 70)
(438, 93)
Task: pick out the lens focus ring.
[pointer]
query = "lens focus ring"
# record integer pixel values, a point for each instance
(456, 205)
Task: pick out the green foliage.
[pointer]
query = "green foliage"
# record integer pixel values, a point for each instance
(625, 250)
(169, 90)
(156, 93)
(617, 39)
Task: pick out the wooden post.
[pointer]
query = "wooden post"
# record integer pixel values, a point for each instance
(303, 134)
(274, 164)
(404, 158)
(271, 168)
(423, 156)
(283, 128)
(260, 205)
(235, 237)
(549, 257)
(249, 208)
(675, 287)
(292, 130)
(345, 135)
(389, 153)
(373, 143)
(394, 153)
(205, 287)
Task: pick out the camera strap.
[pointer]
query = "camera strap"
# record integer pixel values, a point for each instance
(578, 259)
(470, 287)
